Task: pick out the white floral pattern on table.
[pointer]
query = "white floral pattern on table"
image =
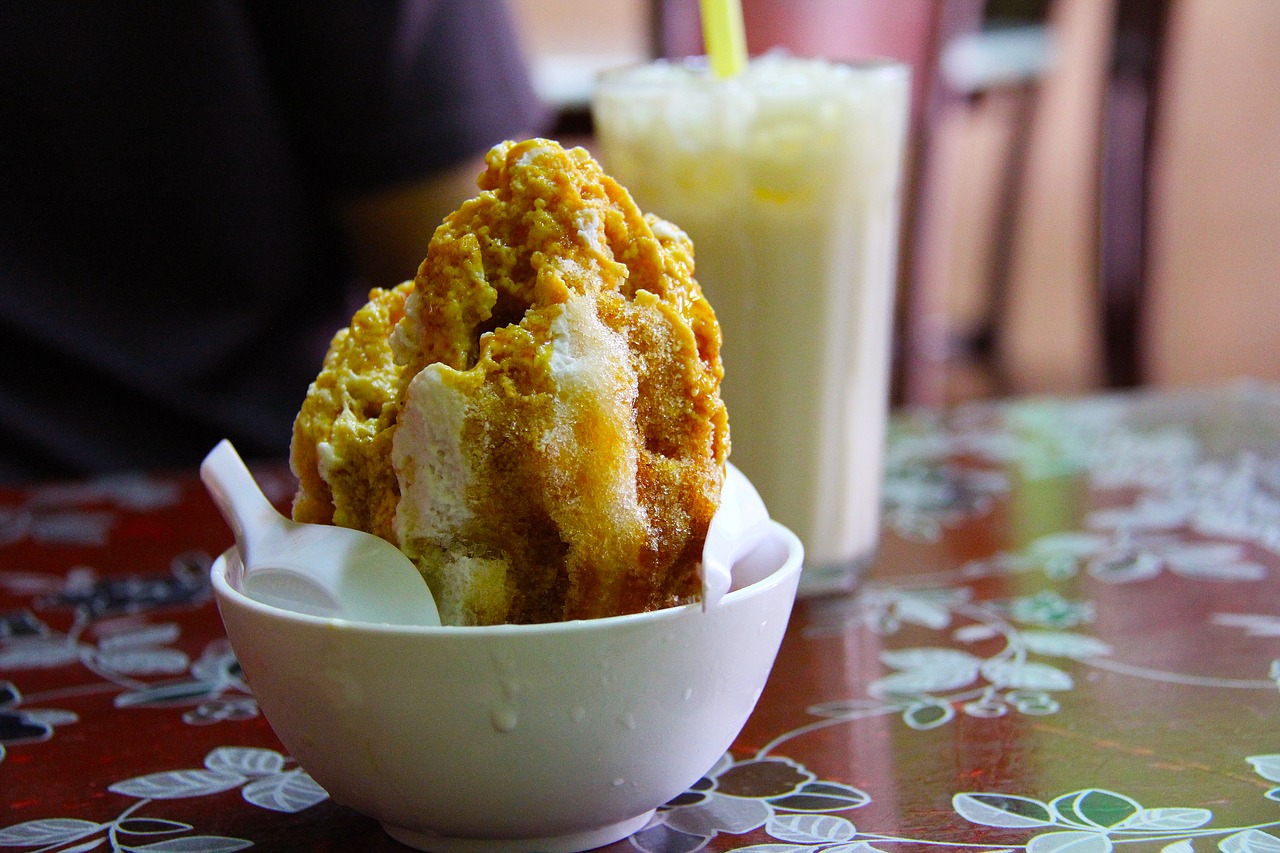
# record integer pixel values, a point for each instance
(1225, 484)
(737, 797)
(1092, 820)
(57, 514)
(1095, 820)
(111, 638)
(263, 777)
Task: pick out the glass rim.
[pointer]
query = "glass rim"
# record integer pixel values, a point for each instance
(699, 65)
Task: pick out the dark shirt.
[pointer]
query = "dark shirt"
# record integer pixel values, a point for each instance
(170, 268)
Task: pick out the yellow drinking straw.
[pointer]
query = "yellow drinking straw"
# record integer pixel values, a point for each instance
(722, 32)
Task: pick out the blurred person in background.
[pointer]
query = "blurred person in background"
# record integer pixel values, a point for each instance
(195, 195)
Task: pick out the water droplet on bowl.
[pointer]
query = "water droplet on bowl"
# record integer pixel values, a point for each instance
(578, 713)
(688, 693)
(504, 719)
(627, 721)
(618, 783)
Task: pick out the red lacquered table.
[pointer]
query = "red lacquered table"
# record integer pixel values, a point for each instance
(1070, 641)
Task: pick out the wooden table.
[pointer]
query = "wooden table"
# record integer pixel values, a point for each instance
(1070, 641)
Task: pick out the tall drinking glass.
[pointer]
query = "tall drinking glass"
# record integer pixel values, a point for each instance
(788, 178)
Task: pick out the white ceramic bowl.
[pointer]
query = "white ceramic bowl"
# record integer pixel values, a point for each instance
(557, 737)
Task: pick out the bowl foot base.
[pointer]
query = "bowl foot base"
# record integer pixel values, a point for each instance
(573, 842)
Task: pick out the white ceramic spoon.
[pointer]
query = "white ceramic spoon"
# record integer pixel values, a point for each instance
(737, 527)
(319, 569)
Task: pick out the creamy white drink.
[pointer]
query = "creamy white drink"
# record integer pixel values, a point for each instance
(788, 178)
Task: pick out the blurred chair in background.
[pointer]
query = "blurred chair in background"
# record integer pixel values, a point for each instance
(1145, 235)
(990, 57)
(1130, 104)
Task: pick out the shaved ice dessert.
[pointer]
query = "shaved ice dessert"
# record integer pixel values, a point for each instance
(535, 419)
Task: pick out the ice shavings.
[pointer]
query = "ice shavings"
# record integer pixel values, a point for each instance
(429, 461)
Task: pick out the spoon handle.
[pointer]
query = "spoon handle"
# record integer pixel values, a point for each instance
(238, 497)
